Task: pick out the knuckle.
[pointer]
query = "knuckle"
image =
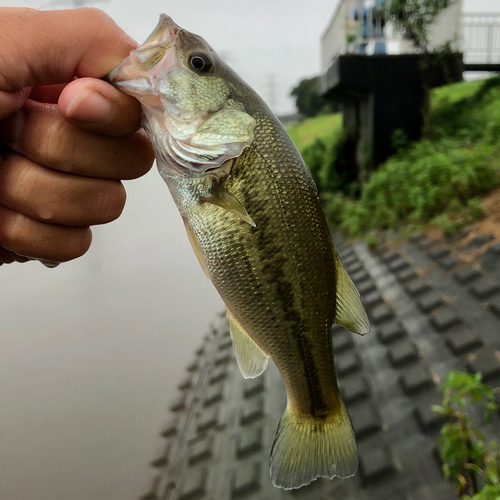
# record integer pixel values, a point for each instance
(62, 244)
(55, 146)
(94, 16)
(29, 192)
(26, 185)
(102, 24)
(13, 231)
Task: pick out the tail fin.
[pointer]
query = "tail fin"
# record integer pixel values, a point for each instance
(307, 448)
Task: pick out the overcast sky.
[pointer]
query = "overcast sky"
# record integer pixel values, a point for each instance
(265, 41)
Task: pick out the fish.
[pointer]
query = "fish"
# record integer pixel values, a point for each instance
(254, 219)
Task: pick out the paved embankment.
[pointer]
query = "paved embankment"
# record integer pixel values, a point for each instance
(434, 307)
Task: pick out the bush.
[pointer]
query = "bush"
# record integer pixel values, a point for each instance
(468, 458)
(333, 165)
(334, 205)
(431, 179)
(371, 240)
(314, 156)
(340, 172)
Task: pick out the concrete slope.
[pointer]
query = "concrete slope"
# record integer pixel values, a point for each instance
(434, 307)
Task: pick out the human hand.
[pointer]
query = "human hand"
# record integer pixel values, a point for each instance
(66, 137)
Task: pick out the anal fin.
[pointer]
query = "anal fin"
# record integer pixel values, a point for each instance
(349, 311)
(251, 359)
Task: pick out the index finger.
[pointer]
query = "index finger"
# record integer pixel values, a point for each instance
(38, 132)
(79, 42)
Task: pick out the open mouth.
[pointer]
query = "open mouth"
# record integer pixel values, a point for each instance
(137, 67)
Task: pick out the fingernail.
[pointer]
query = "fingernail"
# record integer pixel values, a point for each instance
(90, 107)
(49, 263)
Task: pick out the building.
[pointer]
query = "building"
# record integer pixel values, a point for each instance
(381, 79)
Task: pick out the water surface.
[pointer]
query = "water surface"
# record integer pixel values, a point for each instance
(91, 352)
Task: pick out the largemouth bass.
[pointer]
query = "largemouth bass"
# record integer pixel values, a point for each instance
(254, 219)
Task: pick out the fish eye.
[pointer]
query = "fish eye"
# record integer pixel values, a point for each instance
(200, 62)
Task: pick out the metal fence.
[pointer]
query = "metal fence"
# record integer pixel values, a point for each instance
(481, 38)
(362, 26)
(353, 25)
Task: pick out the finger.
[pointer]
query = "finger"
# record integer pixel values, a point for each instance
(50, 242)
(47, 93)
(79, 42)
(11, 101)
(38, 132)
(51, 196)
(8, 257)
(98, 107)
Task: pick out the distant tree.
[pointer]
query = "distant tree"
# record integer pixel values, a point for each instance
(307, 98)
(413, 19)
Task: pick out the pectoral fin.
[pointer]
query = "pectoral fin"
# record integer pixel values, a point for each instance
(251, 359)
(349, 311)
(197, 249)
(223, 198)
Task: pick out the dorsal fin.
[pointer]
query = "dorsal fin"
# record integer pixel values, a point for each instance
(252, 360)
(349, 311)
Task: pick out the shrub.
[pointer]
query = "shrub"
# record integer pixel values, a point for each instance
(371, 240)
(333, 165)
(431, 179)
(314, 156)
(467, 457)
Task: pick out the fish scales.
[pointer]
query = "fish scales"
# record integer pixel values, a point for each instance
(279, 277)
(255, 222)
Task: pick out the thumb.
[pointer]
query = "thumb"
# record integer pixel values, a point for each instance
(48, 47)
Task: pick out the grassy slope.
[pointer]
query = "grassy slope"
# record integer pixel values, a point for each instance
(454, 92)
(320, 127)
(437, 180)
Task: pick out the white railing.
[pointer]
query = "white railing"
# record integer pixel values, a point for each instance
(481, 38)
(361, 26)
(333, 40)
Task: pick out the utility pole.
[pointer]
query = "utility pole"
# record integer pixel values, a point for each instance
(271, 92)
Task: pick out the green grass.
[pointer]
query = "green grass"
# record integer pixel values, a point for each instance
(324, 127)
(454, 93)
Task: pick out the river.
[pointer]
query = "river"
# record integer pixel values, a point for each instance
(91, 352)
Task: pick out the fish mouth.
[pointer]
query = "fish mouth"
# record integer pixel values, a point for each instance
(140, 69)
